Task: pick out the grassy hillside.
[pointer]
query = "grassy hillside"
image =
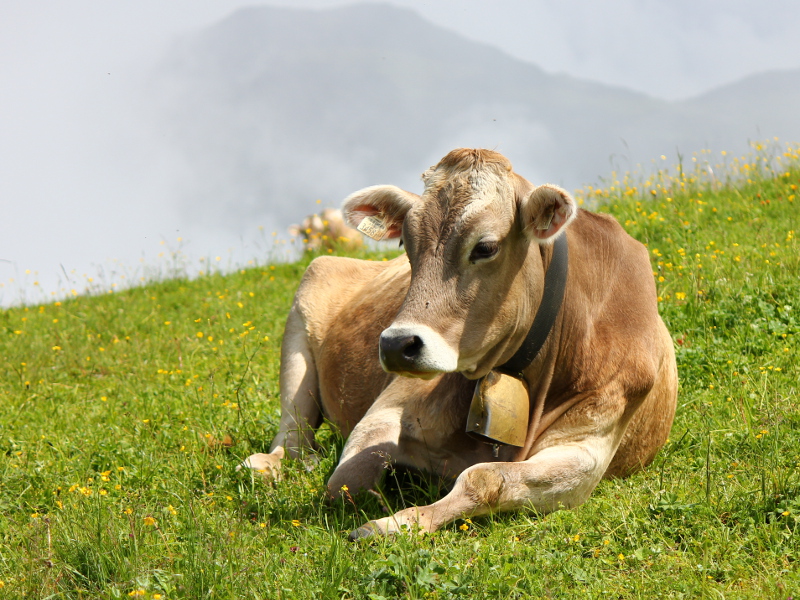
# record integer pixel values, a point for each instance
(123, 416)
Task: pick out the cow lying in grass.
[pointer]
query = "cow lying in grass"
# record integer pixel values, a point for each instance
(327, 231)
(390, 352)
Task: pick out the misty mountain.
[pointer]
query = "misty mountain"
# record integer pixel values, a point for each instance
(763, 105)
(274, 108)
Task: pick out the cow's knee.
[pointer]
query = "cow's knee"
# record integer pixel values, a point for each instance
(482, 484)
(362, 472)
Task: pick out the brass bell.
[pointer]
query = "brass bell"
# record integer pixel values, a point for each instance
(499, 410)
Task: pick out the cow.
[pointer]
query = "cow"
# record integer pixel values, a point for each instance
(327, 231)
(391, 352)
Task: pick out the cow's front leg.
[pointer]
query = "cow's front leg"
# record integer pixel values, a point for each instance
(301, 413)
(300, 409)
(372, 445)
(556, 477)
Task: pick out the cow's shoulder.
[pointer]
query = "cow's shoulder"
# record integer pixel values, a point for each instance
(332, 285)
(329, 278)
(346, 304)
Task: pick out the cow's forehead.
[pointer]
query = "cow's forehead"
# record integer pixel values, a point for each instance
(459, 192)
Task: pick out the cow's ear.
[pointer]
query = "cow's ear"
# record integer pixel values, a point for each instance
(546, 212)
(386, 204)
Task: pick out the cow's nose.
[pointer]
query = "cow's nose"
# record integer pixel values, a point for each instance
(399, 351)
(416, 351)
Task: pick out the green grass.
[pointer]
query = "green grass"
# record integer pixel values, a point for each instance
(124, 415)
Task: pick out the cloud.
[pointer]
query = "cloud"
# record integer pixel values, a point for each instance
(85, 180)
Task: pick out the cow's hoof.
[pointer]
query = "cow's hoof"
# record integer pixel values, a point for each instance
(268, 465)
(362, 532)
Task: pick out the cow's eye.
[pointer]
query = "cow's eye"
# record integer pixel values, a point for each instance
(484, 251)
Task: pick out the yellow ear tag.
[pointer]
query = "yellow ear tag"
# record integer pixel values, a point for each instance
(545, 225)
(499, 410)
(374, 227)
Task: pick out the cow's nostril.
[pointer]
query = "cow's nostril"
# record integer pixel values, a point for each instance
(411, 350)
(400, 351)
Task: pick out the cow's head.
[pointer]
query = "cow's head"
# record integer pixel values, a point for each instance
(474, 241)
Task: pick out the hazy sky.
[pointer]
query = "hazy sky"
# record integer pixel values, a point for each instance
(81, 183)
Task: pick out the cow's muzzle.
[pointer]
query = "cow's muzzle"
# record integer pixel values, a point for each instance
(415, 351)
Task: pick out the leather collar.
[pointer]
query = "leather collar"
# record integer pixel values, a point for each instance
(555, 282)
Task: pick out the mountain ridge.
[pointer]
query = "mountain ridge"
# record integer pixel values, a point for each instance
(372, 93)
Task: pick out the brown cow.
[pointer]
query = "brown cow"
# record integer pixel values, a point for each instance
(389, 351)
(327, 231)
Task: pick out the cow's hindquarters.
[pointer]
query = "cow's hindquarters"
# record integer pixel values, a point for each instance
(649, 427)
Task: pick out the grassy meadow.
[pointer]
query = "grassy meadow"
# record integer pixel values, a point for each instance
(123, 416)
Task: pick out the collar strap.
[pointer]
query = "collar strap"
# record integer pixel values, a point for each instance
(555, 282)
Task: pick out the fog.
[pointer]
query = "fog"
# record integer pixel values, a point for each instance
(95, 186)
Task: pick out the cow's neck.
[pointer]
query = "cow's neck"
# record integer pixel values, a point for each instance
(503, 404)
(555, 282)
